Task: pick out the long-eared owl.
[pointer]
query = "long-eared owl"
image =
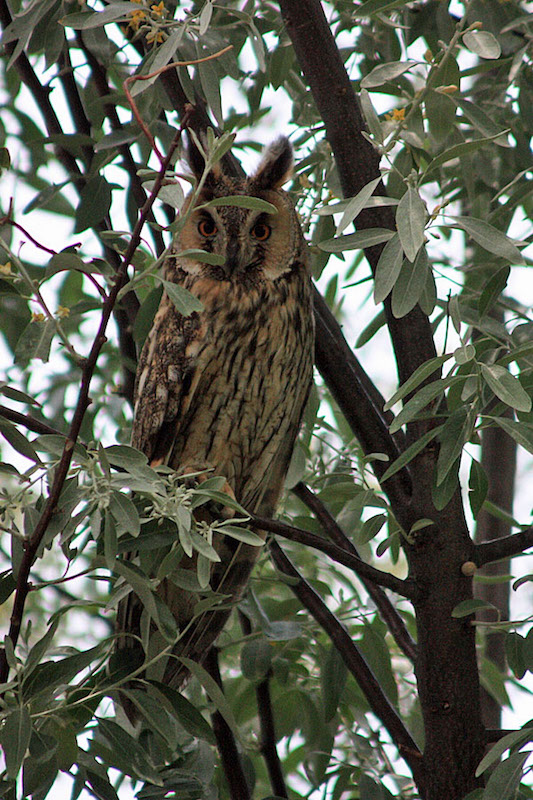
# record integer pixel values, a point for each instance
(223, 390)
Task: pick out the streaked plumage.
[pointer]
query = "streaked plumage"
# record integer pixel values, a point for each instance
(224, 389)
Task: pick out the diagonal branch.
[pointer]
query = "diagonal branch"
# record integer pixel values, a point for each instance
(386, 609)
(355, 662)
(226, 743)
(402, 587)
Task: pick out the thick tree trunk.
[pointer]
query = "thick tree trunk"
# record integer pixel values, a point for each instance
(446, 668)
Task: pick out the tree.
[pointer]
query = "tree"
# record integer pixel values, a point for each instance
(421, 121)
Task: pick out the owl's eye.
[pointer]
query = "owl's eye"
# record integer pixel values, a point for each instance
(207, 227)
(261, 231)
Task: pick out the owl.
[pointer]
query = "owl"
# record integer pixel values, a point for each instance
(221, 392)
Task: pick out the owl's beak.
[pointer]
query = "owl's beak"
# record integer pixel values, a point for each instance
(233, 257)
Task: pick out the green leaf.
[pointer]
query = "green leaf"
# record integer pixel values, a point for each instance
(187, 714)
(386, 72)
(356, 205)
(185, 302)
(483, 43)
(242, 535)
(408, 455)
(243, 201)
(515, 646)
(120, 741)
(411, 217)
(388, 268)
(214, 692)
(18, 441)
(440, 114)
(521, 432)
(256, 659)
(372, 119)
(420, 400)
(201, 255)
(210, 81)
(506, 778)
(51, 674)
(15, 738)
(458, 150)
(370, 528)
(419, 375)
(468, 607)
(490, 238)
(83, 20)
(506, 387)
(121, 455)
(410, 284)
(125, 513)
(356, 241)
(484, 124)
(478, 487)
(170, 193)
(333, 675)
(95, 202)
(35, 342)
(455, 432)
(503, 744)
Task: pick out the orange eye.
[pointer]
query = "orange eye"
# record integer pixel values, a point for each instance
(207, 228)
(261, 231)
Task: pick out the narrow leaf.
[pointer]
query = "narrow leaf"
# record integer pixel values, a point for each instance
(521, 432)
(243, 201)
(410, 284)
(214, 692)
(490, 238)
(388, 268)
(15, 738)
(386, 72)
(185, 302)
(411, 216)
(419, 375)
(357, 241)
(506, 778)
(506, 387)
(468, 607)
(356, 205)
(483, 43)
(408, 455)
(419, 401)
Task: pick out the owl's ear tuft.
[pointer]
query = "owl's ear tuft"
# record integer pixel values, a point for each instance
(275, 166)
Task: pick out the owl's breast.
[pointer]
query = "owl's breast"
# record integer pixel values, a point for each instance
(252, 362)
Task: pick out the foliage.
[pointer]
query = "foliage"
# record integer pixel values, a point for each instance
(447, 102)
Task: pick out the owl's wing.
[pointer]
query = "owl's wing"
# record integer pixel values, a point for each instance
(167, 378)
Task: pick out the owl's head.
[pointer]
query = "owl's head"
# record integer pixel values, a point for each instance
(256, 246)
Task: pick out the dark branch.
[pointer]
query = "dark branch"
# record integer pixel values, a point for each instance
(507, 547)
(357, 162)
(387, 611)
(355, 662)
(402, 587)
(29, 422)
(226, 743)
(267, 744)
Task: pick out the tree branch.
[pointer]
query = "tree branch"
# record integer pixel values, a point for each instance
(226, 743)
(29, 422)
(31, 545)
(402, 587)
(387, 611)
(507, 547)
(267, 727)
(355, 662)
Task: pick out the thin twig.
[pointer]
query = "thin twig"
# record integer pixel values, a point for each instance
(132, 78)
(267, 727)
(355, 662)
(402, 587)
(31, 546)
(387, 611)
